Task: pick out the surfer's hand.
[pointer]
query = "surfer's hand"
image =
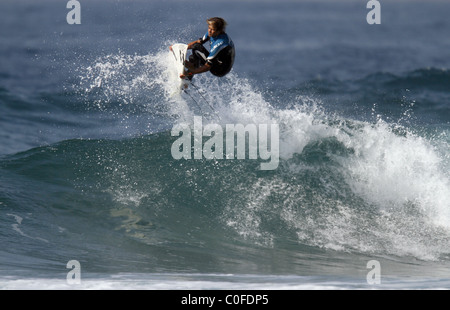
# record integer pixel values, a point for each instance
(170, 47)
(183, 76)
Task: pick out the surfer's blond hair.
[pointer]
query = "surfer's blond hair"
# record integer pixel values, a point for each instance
(217, 23)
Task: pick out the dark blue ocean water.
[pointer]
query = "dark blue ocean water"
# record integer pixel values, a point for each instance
(86, 171)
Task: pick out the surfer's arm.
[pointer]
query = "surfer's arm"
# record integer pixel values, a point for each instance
(201, 41)
(190, 45)
(205, 68)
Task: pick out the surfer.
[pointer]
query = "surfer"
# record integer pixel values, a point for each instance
(219, 60)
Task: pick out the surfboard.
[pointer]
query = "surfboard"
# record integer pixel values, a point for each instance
(179, 51)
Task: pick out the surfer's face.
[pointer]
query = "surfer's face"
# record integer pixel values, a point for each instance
(212, 32)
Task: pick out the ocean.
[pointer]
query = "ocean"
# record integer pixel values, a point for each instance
(91, 196)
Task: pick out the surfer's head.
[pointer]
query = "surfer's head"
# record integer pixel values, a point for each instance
(216, 26)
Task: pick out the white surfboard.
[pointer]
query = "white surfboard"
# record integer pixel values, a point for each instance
(179, 52)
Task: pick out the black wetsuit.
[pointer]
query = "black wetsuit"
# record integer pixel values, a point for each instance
(220, 57)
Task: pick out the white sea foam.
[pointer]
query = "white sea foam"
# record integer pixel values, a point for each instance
(220, 282)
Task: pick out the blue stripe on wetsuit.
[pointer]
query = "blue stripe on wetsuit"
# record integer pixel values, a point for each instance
(217, 44)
